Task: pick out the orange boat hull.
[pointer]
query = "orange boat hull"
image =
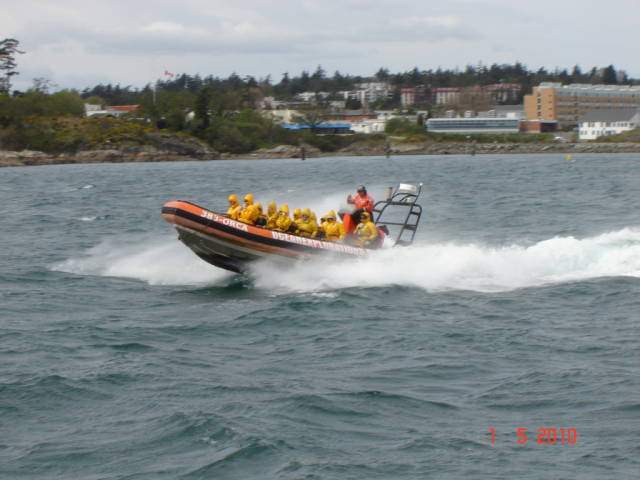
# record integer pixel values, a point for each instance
(233, 245)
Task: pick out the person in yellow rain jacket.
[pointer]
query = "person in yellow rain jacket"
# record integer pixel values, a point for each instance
(366, 232)
(284, 221)
(262, 218)
(333, 230)
(249, 214)
(272, 215)
(296, 215)
(306, 227)
(234, 206)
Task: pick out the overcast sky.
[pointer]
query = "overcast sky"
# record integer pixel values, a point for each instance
(80, 43)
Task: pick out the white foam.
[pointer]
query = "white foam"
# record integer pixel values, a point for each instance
(157, 262)
(446, 266)
(432, 267)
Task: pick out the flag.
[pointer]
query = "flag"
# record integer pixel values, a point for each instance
(168, 74)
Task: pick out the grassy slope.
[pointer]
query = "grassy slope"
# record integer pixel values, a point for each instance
(72, 134)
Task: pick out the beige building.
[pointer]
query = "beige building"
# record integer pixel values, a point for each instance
(566, 103)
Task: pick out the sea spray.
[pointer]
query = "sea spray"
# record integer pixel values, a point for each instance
(432, 267)
(157, 262)
(447, 266)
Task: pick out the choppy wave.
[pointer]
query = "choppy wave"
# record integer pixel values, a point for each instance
(433, 267)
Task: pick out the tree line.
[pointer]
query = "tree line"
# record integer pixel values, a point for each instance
(320, 81)
(224, 111)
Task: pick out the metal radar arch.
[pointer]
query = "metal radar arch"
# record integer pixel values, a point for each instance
(399, 214)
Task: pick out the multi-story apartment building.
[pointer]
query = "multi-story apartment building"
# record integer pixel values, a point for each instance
(494, 93)
(566, 103)
(413, 96)
(368, 93)
(445, 95)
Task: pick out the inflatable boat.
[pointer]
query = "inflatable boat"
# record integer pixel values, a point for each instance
(234, 245)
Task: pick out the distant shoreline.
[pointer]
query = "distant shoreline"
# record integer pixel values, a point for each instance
(30, 158)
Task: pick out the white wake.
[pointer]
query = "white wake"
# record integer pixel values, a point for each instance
(446, 266)
(432, 267)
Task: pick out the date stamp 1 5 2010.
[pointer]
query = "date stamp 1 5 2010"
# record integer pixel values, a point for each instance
(543, 436)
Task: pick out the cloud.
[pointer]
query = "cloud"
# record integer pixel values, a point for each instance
(130, 40)
(164, 28)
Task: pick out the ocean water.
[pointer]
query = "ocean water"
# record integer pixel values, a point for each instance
(505, 343)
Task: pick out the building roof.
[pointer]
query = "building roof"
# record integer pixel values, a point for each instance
(301, 126)
(122, 108)
(509, 108)
(609, 115)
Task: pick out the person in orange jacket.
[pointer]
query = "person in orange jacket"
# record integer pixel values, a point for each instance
(234, 207)
(361, 200)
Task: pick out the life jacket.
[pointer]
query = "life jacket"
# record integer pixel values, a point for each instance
(348, 223)
(365, 202)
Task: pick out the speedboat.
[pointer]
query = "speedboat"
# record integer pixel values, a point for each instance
(234, 245)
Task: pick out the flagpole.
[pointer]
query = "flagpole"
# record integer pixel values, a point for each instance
(155, 92)
(155, 89)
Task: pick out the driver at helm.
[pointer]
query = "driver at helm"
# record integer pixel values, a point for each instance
(362, 201)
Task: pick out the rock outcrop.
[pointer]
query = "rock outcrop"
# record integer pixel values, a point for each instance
(281, 151)
(161, 147)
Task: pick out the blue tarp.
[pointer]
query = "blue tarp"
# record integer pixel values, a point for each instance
(299, 126)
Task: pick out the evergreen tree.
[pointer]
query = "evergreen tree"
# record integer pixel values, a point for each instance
(609, 76)
(383, 75)
(576, 74)
(201, 110)
(8, 51)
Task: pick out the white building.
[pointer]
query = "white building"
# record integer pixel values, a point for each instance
(603, 122)
(369, 126)
(282, 115)
(114, 111)
(309, 97)
(372, 93)
(473, 125)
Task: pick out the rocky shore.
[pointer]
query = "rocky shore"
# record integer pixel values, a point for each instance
(427, 148)
(155, 147)
(183, 151)
(31, 158)
(433, 148)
